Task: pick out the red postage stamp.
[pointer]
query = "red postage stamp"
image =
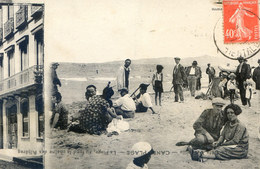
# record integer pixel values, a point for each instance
(241, 21)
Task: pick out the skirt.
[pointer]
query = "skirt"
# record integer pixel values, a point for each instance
(158, 87)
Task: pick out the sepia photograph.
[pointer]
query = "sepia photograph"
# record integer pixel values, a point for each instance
(120, 84)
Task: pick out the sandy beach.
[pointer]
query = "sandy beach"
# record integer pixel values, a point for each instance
(173, 123)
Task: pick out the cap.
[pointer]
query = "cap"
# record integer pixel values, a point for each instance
(218, 101)
(231, 74)
(140, 149)
(194, 62)
(177, 58)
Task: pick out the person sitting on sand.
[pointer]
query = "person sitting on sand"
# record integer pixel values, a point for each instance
(91, 90)
(142, 152)
(207, 127)
(125, 105)
(60, 113)
(108, 92)
(233, 142)
(96, 116)
(143, 101)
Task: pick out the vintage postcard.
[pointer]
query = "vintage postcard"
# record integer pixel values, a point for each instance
(130, 84)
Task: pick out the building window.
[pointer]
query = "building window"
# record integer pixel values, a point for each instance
(1, 68)
(39, 47)
(24, 55)
(40, 110)
(25, 117)
(10, 55)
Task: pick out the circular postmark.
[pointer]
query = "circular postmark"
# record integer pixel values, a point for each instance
(243, 49)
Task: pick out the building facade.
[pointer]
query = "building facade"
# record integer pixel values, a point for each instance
(21, 76)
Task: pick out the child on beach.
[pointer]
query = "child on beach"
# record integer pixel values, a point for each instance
(232, 87)
(142, 152)
(157, 83)
(248, 87)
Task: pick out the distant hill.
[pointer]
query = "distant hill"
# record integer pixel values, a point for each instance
(139, 67)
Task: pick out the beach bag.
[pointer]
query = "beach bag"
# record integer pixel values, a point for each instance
(118, 125)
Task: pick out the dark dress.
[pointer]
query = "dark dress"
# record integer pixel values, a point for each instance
(93, 120)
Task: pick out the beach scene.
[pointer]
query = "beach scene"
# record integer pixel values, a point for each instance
(172, 123)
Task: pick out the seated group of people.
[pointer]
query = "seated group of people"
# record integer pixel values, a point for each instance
(100, 110)
(210, 142)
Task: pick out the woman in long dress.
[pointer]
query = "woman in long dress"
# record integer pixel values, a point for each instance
(238, 18)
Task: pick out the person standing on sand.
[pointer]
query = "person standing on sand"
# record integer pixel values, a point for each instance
(243, 72)
(193, 73)
(198, 84)
(54, 78)
(179, 78)
(157, 83)
(123, 75)
(142, 152)
(256, 78)
(211, 72)
(207, 127)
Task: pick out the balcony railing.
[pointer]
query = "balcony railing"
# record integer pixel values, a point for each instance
(21, 17)
(9, 27)
(28, 77)
(36, 10)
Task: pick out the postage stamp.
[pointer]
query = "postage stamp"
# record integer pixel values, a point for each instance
(240, 21)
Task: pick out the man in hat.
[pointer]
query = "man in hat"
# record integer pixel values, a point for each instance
(193, 73)
(143, 100)
(211, 72)
(256, 77)
(54, 78)
(242, 73)
(207, 127)
(179, 78)
(125, 105)
(123, 75)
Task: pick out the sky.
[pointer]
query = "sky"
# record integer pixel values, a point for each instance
(108, 30)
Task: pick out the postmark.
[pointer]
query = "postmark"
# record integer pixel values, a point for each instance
(233, 50)
(240, 21)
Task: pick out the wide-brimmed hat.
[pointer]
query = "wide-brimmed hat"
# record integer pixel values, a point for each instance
(232, 74)
(218, 101)
(141, 148)
(194, 62)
